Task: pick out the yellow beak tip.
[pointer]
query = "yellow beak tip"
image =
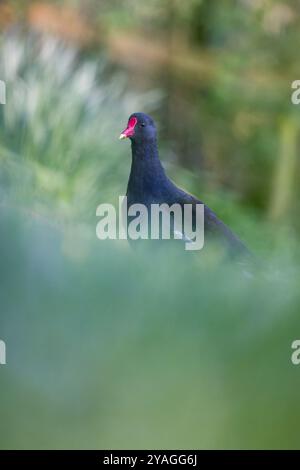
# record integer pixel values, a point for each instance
(122, 136)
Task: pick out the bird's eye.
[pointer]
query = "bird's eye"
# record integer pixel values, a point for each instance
(143, 124)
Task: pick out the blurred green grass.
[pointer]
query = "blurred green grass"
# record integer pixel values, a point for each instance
(144, 350)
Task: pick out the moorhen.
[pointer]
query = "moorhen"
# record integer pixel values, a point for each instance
(148, 183)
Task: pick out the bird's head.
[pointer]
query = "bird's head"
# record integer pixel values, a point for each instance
(140, 128)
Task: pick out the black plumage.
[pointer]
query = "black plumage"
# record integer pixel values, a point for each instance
(148, 183)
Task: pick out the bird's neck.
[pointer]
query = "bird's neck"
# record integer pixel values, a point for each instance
(146, 169)
(144, 152)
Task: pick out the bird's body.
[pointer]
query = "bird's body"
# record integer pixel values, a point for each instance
(148, 183)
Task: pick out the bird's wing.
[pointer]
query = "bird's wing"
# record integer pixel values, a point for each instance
(213, 226)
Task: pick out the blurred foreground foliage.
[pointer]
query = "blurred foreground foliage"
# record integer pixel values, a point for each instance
(112, 349)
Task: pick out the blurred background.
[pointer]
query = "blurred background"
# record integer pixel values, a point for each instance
(107, 348)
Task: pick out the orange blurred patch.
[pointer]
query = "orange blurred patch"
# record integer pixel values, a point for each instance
(7, 15)
(63, 22)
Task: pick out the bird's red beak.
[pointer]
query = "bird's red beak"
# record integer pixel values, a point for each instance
(129, 131)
